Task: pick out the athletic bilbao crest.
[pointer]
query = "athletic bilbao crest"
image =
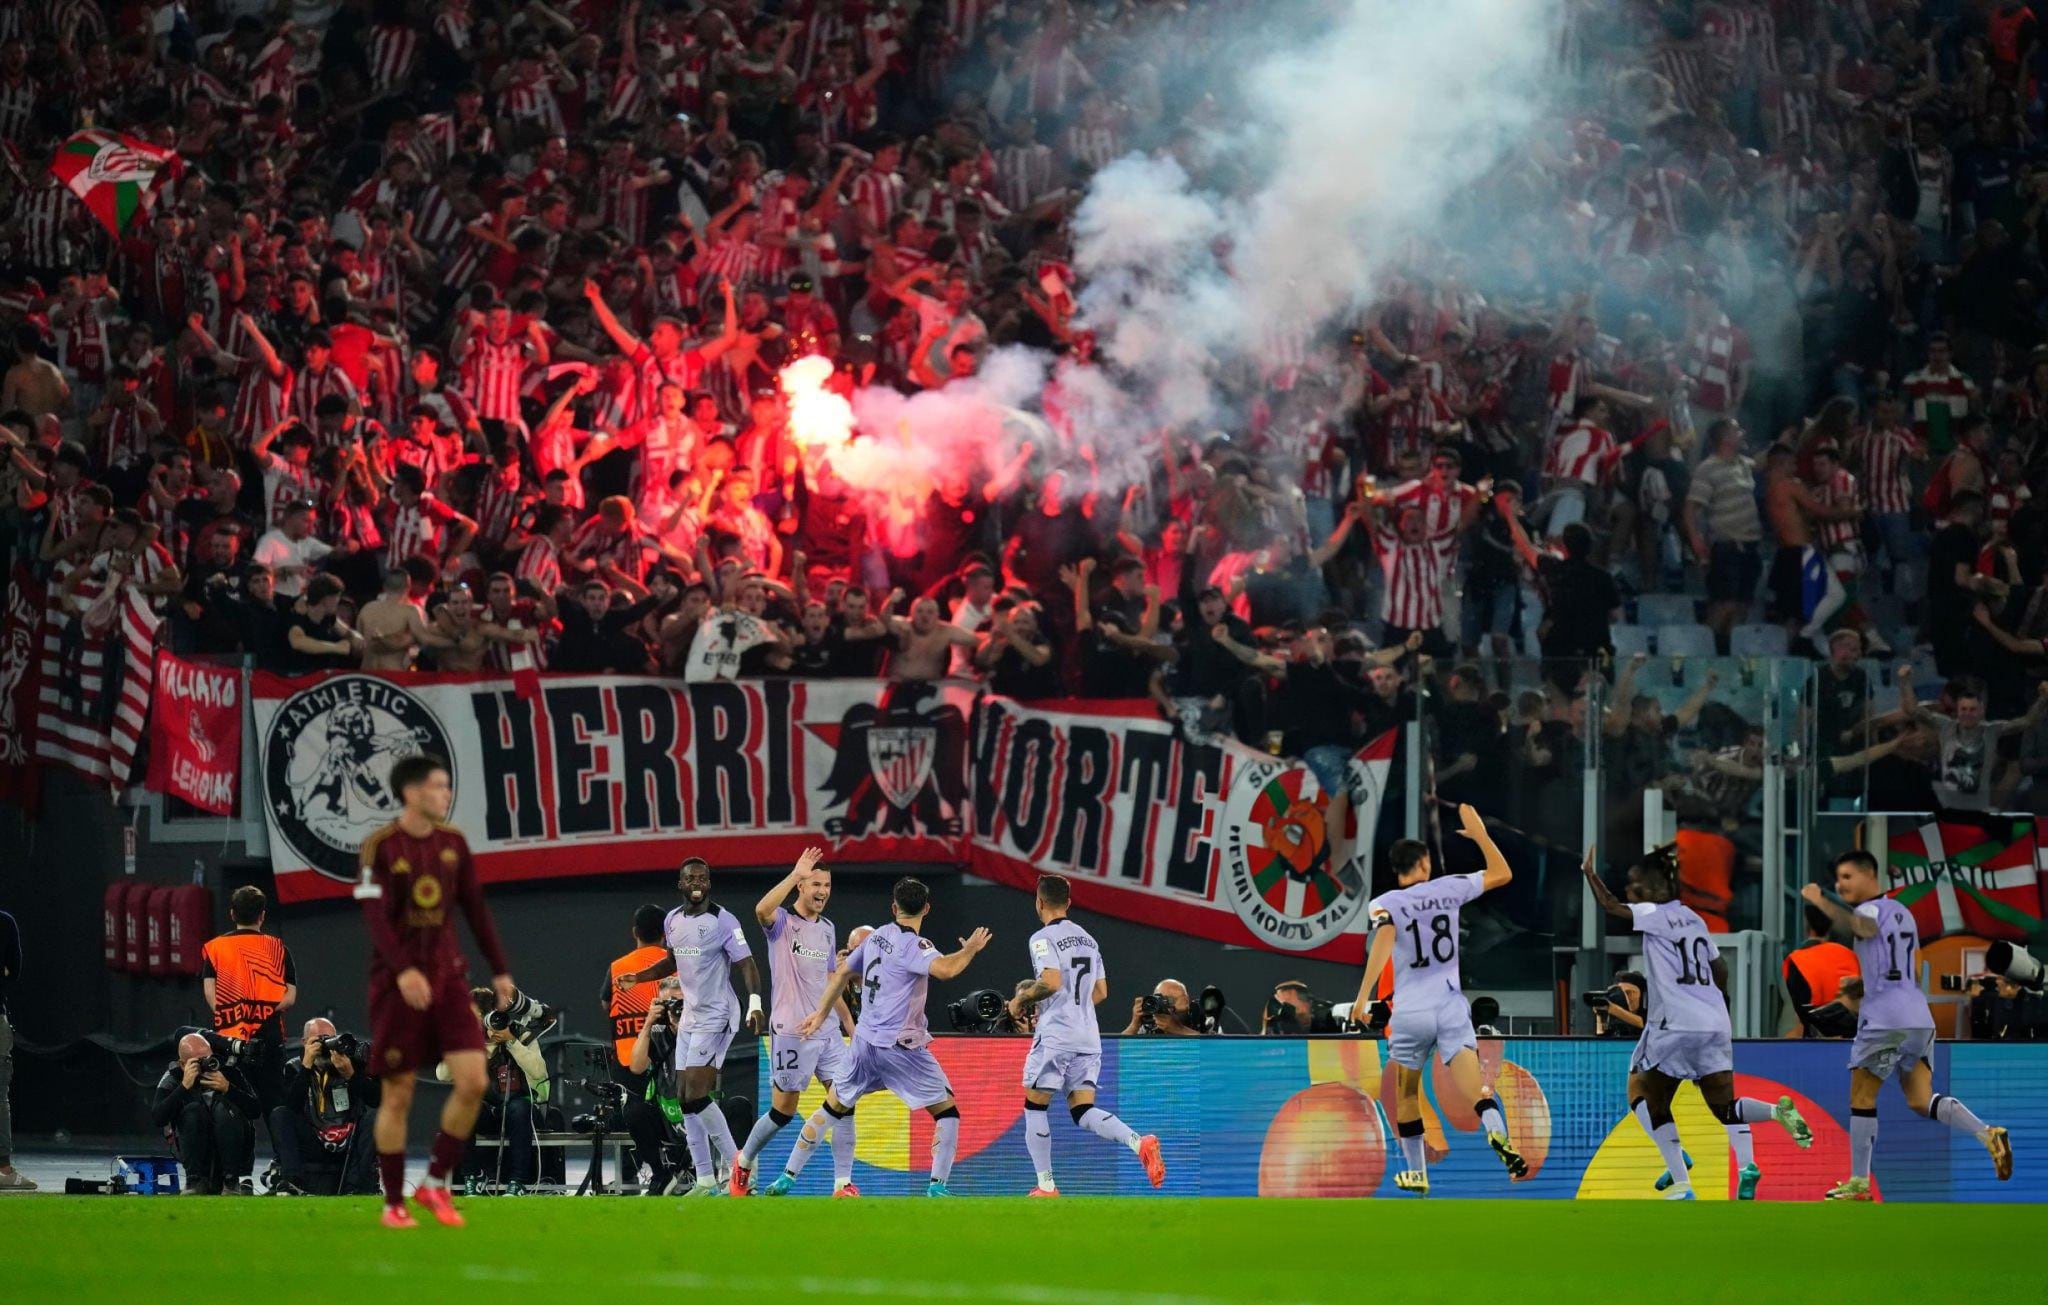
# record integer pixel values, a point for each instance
(899, 768)
(1294, 861)
(901, 758)
(327, 765)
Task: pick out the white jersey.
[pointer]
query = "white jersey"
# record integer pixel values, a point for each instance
(1425, 920)
(1066, 1020)
(1678, 957)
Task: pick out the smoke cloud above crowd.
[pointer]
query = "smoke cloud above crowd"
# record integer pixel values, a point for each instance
(1343, 137)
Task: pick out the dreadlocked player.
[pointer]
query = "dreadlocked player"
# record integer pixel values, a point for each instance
(1686, 1038)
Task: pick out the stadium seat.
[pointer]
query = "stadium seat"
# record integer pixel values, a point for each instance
(1687, 640)
(1653, 610)
(1630, 640)
(1759, 640)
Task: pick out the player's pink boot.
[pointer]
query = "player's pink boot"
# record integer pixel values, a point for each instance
(847, 1190)
(1155, 1163)
(742, 1181)
(1041, 1191)
(436, 1201)
(396, 1216)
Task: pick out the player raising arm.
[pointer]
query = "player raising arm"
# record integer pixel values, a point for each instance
(892, 1044)
(1415, 928)
(706, 951)
(1066, 1042)
(801, 957)
(413, 870)
(1894, 1027)
(1686, 1034)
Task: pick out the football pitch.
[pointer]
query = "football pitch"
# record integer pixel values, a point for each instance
(1076, 1251)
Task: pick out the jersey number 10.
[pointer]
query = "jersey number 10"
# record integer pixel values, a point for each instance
(1695, 960)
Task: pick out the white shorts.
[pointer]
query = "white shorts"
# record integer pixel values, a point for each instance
(1052, 1069)
(1688, 1055)
(697, 1049)
(1446, 1026)
(1884, 1052)
(793, 1062)
(911, 1073)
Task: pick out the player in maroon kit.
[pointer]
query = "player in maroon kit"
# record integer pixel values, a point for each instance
(414, 870)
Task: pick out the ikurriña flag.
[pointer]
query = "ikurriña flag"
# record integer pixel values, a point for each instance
(115, 176)
(1960, 877)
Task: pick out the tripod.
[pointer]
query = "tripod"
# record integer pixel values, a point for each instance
(593, 1180)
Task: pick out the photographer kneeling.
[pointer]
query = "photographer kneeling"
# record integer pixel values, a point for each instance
(655, 1118)
(518, 1076)
(207, 1109)
(322, 1148)
(1166, 1009)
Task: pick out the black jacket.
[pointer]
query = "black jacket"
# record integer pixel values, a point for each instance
(172, 1096)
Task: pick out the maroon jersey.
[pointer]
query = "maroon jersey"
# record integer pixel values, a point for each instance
(408, 888)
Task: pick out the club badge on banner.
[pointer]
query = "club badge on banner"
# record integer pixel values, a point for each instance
(607, 774)
(195, 733)
(1210, 839)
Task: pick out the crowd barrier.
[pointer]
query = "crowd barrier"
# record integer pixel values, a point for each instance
(1314, 1117)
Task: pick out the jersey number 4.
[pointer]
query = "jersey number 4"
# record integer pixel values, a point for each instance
(1443, 945)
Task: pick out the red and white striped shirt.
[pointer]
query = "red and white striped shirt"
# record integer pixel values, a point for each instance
(1884, 454)
(1582, 452)
(1841, 491)
(729, 259)
(1713, 358)
(498, 505)
(394, 53)
(1094, 146)
(284, 485)
(1024, 175)
(18, 97)
(312, 386)
(533, 101)
(2002, 498)
(417, 531)
(44, 214)
(124, 437)
(260, 402)
(541, 564)
(493, 375)
(1414, 574)
(684, 367)
(876, 197)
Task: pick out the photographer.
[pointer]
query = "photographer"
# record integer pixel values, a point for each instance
(1165, 1010)
(1292, 1012)
(655, 1118)
(1618, 1010)
(322, 1150)
(207, 1108)
(518, 1078)
(2003, 1011)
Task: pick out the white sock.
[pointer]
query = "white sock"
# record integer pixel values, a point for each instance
(1753, 1111)
(1743, 1144)
(1413, 1153)
(765, 1129)
(1948, 1110)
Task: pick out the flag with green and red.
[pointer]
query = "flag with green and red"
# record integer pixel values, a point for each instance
(1963, 878)
(117, 177)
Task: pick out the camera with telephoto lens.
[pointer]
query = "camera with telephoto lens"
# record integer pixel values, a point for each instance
(210, 1065)
(2016, 966)
(526, 1018)
(608, 1107)
(346, 1045)
(228, 1051)
(1153, 1003)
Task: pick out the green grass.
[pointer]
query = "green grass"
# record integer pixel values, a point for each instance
(1014, 1252)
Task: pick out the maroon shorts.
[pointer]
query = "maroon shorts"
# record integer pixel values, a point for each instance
(403, 1039)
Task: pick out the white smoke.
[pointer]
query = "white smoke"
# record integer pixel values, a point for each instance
(1358, 135)
(1364, 132)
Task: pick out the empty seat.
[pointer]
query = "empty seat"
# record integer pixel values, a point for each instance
(1760, 640)
(1653, 610)
(1630, 640)
(1687, 640)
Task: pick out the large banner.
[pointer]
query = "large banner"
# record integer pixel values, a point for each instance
(195, 733)
(1307, 1117)
(593, 775)
(1209, 839)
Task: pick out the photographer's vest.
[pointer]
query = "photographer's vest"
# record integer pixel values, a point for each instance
(248, 971)
(629, 1006)
(331, 1102)
(1823, 965)
(664, 1087)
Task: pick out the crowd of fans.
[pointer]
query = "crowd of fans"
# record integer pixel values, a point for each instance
(456, 346)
